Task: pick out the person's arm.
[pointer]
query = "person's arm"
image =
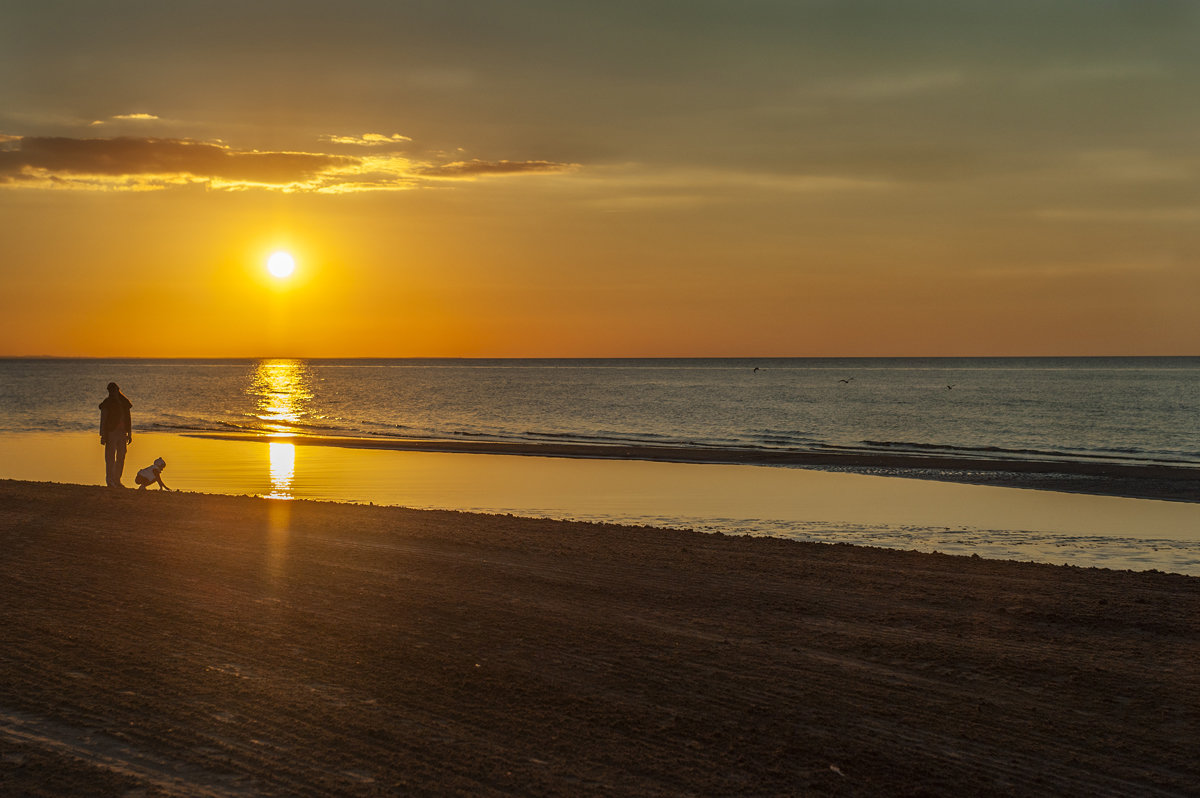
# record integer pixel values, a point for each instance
(103, 418)
(161, 484)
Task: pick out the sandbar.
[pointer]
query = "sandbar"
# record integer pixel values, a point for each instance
(1166, 481)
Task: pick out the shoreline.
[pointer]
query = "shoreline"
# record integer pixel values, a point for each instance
(827, 505)
(193, 644)
(1162, 482)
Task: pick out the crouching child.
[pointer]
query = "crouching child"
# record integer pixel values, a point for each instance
(151, 474)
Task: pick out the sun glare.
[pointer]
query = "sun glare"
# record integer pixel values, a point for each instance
(281, 264)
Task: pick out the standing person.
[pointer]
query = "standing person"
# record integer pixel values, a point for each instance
(116, 432)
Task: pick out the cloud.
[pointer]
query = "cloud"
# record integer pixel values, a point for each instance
(163, 161)
(133, 163)
(1095, 73)
(717, 183)
(465, 170)
(892, 86)
(1189, 215)
(1090, 269)
(368, 139)
(126, 118)
(1137, 165)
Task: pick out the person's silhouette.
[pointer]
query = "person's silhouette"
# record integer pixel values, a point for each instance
(116, 432)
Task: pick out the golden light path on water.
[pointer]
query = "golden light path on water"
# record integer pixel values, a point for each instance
(283, 469)
(281, 390)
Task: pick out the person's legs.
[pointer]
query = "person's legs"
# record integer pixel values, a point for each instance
(114, 460)
(119, 466)
(110, 456)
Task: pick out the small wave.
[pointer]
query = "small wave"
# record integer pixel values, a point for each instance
(601, 437)
(323, 429)
(355, 422)
(181, 427)
(638, 439)
(783, 438)
(188, 425)
(1131, 455)
(943, 447)
(234, 426)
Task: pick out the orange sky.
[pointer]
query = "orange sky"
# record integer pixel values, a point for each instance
(571, 179)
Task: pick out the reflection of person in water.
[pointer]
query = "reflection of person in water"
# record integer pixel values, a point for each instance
(116, 432)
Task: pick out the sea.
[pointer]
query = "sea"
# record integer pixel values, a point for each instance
(1125, 411)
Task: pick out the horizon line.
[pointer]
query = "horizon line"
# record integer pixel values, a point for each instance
(587, 357)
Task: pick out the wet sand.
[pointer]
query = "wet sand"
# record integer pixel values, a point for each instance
(1135, 481)
(182, 644)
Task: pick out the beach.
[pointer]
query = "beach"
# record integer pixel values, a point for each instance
(187, 644)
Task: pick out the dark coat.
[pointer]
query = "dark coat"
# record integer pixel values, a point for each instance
(114, 415)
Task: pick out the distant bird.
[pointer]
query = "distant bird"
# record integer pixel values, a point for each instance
(949, 387)
(756, 368)
(847, 381)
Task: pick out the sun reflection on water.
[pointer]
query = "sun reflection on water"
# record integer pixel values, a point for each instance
(281, 389)
(282, 395)
(283, 469)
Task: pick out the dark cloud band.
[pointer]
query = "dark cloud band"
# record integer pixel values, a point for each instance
(476, 168)
(142, 156)
(132, 162)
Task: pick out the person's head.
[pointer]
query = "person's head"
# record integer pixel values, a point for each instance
(113, 389)
(161, 463)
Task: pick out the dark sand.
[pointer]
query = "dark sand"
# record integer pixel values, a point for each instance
(178, 644)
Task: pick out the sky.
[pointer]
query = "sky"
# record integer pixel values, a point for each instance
(554, 178)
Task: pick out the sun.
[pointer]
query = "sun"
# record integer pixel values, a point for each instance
(281, 264)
